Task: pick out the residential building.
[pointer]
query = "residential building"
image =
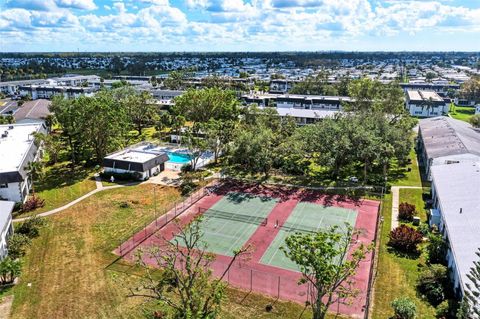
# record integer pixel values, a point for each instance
(456, 204)
(281, 85)
(12, 87)
(32, 112)
(6, 226)
(426, 104)
(141, 161)
(49, 91)
(75, 80)
(304, 116)
(444, 140)
(441, 89)
(17, 150)
(311, 102)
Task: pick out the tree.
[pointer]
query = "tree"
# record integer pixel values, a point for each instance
(432, 282)
(17, 245)
(471, 298)
(51, 144)
(9, 270)
(176, 80)
(471, 90)
(325, 263)
(436, 249)
(35, 171)
(185, 288)
(404, 308)
(140, 110)
(196, 145)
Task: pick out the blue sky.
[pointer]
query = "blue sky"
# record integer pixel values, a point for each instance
(239, 25)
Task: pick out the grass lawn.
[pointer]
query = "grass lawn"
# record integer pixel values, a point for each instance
(402, 176)
(66, 271)
(463, 113)
(397, 275)
(60, 185)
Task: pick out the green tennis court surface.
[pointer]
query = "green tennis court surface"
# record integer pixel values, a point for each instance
(306, 217)
(223, 233)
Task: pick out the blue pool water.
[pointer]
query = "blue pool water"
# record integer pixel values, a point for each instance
(178, 158)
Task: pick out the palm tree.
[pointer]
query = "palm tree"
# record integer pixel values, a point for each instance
(34, 170)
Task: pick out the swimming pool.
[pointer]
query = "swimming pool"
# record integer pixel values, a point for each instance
(178, 158)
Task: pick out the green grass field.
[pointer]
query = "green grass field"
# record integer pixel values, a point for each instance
(61, 185)
(463, 113)
(396, 275)
(304, 218)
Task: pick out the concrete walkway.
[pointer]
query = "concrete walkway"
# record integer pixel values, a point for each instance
(59, 209)
(395, 203)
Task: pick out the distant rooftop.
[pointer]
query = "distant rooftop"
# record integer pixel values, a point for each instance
(458, 188)
(304, 113)
(16, 145)
(37, 109)
(443, 136)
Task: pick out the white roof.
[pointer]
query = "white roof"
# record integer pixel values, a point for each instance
(6, 208)
(305, 113)
(132, 155)
(458, 190)
(16, 145)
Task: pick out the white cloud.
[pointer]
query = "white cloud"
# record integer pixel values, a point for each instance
(253, 23)
(77, 4)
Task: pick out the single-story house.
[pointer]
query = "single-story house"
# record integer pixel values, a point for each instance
(444, 140)
(142, 162)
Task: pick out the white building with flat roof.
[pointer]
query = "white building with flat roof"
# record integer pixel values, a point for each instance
(444, 140)
(17, 150)
(456, 206)
(6, 227)
(426, 103)
(141, 161)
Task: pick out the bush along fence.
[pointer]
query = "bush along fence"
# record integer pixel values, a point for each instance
(162, 218)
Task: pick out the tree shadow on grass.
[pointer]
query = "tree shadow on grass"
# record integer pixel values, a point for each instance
(62, 175)
(402, 254)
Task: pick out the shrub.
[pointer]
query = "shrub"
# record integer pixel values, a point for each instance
(436, 249)
(446, 309)
(31, 227)
(32, 203)
(404, 308)
(120, 176)
(405, 238)
(431, 283)
(17, 244)
(9, 270)
(424, 229)
(406, 211)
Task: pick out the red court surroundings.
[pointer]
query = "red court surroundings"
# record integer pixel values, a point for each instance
(250, 274)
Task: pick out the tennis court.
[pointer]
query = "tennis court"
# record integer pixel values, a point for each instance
(306, 217)
(230, 222)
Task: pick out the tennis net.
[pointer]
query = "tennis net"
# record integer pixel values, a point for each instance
(292, 227)
(249, 219)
